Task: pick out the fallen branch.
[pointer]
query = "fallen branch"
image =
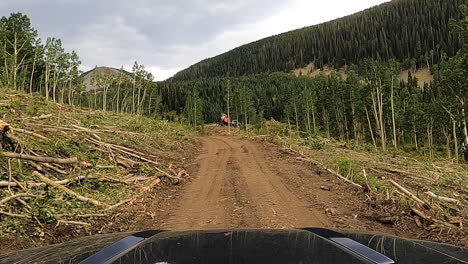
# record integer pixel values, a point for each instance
(135, 156)
(91, 215)
(365, 178)
(50, 166)
(343, 178)
(408, 174)
(122, 148)
(64, 189)
(442, 198)
(15, 184)
(150, 186)
(15, 196)
(61, 182)
(39, 159)
(15, 215)
(408, 193)
(119, 204)
(431, 219)
(72, 222)
(30, 133)
(316, 163)
(41, 117)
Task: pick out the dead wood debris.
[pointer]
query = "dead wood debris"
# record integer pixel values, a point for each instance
(39, 159)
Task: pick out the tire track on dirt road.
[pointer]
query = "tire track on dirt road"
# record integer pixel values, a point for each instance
(234, 187)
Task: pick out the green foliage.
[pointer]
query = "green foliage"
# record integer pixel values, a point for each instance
(411, 29)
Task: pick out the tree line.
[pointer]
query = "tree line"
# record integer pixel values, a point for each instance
(29, 64)
(412, 31)
(369, 105)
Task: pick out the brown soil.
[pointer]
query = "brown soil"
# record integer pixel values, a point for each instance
(239, 183)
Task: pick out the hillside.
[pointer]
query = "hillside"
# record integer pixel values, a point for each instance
(415, 31)
(101, 162)
(423, 75)
(88, 76)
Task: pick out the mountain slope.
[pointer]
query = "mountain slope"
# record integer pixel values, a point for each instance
(401, 29)
(88, 76)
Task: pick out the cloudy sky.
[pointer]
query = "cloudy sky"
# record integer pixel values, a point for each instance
(170, 35)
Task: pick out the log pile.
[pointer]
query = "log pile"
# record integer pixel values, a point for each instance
(17, 193)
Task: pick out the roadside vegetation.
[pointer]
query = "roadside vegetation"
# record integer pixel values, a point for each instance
(69, 168)
(405, 190)
(72, 155)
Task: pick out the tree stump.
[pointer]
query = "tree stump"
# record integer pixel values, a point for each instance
(4, 127)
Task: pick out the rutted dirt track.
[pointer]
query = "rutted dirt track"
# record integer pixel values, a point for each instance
(235, 187)
(240, 183)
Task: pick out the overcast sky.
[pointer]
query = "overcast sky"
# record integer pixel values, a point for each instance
(170, 35)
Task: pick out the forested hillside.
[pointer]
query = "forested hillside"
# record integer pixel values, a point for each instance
(370, 106)
(411, 31)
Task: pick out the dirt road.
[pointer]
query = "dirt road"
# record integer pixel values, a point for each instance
(240, 183)
(235, 186)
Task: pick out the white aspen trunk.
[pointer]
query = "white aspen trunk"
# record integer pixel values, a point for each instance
(465, 130)
(447, 142)
(5, 68)
(62, 94)
(32, 72)
(95, 99)
(370, 129)
(70, 101)
(455, 138)
(46, 81)
(15, 61)
(354, 121)
(118, 93)
(395, 145)
(415, 135)
(104, 98)
(381, 120)
(313, 119)
(142, 102)
(375, 111)
(54, 84)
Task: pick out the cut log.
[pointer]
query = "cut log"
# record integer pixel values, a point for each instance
(41, 117)
(30, 133)
(61, 182)
(39, 159)
(135, 156)
(64, 189)
(442, 198)
(431, 219)
(408, 193)
(316, 163)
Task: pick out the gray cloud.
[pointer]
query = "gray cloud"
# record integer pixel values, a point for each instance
(162, 34)
(169, 35)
